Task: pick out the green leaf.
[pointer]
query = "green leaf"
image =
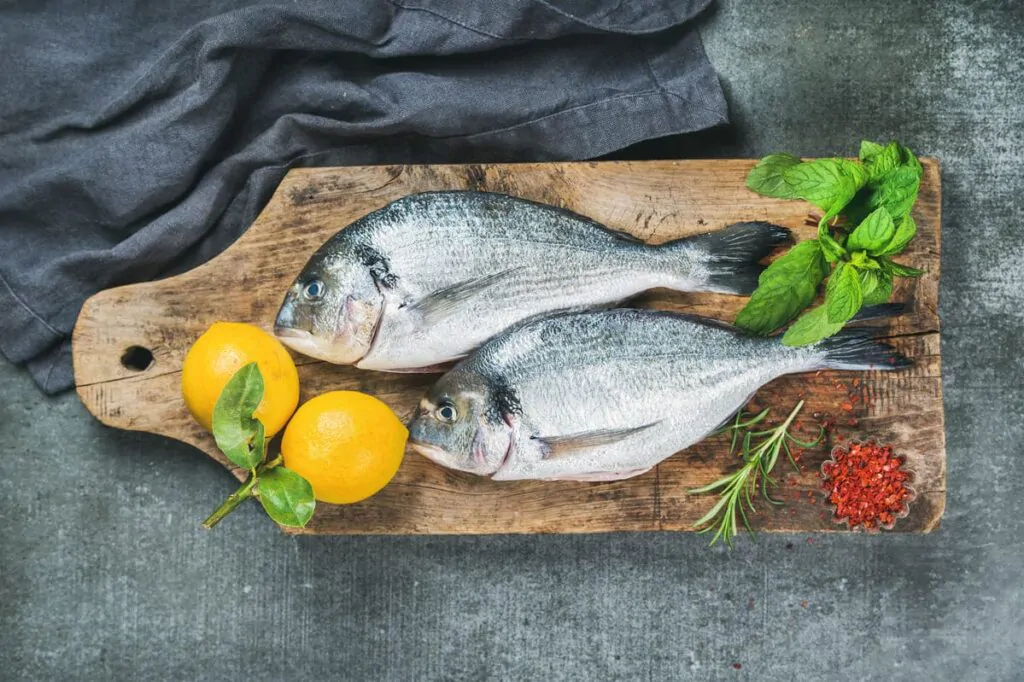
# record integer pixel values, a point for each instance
(896, 193)
(829, 184)
(906, 228)
(832, 250)
(239, 436)
(766, 178)
(876, 286)
(873, 234)
(907, 158)
(901, 270)
(862, 261)
(882, 161)
(843, 296)
(868, 283)
(869, 149)
(786, 287)
(812, 326)
(287, 497)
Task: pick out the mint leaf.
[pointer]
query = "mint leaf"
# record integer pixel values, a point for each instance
(287, 497)
(900, 270)
(876, 286)
(882, 161)
(907, 158)
(869, 149)
(766, 178)
(786, 287)
(896, 191)
(829, 184)
(862, 261)
(843, 296)
(239, 436)
(812, 326)
(832, 249)
(873, 234)
(906, 228)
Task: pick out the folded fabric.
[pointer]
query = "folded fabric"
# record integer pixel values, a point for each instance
(139, 139)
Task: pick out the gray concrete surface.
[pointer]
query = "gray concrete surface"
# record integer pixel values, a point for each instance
(105, 574)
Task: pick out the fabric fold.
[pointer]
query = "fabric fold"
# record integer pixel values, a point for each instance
(143, 141)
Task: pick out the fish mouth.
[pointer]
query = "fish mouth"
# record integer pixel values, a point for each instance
(431, 452)
(290, 333)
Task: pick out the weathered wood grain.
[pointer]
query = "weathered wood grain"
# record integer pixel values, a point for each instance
(656, 201)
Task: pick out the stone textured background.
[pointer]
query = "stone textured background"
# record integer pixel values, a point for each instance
(105, 574)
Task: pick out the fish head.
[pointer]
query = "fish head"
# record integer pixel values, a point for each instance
(458, 425)
(332, 310)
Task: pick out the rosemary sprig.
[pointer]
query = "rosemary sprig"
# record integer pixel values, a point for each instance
(760, 451)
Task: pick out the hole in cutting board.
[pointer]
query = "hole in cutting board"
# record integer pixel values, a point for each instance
(137, 358)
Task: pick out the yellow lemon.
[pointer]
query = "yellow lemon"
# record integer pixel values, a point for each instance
(224, 349)
(347, 444)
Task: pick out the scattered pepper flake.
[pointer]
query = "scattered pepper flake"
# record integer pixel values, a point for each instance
(803, 604)
(737, 666)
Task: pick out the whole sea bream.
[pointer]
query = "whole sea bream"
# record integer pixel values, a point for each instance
(428, 278)
(608, 394)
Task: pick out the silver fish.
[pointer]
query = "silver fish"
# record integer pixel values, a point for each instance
(428, 278)
(608, 394)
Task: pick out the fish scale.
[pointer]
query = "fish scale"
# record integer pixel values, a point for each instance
(609, 394)
(432, 276)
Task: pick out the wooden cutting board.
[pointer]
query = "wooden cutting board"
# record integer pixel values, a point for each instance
(656, 201)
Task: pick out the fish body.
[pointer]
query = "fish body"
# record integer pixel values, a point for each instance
(608, 394)
(430, 277)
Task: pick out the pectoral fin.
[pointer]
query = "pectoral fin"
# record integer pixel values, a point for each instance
(559, 446)
(443, 301)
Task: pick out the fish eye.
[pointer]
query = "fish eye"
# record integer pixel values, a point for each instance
(314, 290)
(447, 413)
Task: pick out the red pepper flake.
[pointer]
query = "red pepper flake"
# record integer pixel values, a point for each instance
(736, 666)
(803, 604)
(847, 406)
(810, 541)
(866, 485)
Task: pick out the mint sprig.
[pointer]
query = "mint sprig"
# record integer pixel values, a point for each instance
(285, 495)
(865, 222)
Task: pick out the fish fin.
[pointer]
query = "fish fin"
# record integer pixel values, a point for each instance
(732, 254)
(859, 349)
(559, 446)
(444, 300)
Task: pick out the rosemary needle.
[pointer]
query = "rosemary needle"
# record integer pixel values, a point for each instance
(760, 451)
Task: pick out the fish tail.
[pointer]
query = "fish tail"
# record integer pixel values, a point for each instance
(857, 348)
(731, 255)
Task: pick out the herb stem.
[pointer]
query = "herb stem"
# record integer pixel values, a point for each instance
(234, 499)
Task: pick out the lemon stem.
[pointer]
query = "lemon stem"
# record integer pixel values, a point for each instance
(269, 465)
(234, 499)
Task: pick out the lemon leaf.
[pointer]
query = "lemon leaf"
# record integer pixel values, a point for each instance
(239, 435)
(287, 497)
